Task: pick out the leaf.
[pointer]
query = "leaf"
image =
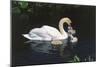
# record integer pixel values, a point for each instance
(23, 4)
(76, 58)
(16, 10)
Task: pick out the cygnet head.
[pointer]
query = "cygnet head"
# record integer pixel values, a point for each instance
(74, 39)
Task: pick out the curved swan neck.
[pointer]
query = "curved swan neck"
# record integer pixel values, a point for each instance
(62, 21)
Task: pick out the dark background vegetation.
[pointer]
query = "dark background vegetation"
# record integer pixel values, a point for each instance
(28, 15)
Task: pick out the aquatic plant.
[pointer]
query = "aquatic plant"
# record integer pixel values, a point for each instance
(75, 59)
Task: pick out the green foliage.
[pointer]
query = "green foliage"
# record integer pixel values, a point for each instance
(89, 58)
(20, 7)
(75, 59)
(23, 4)
(16, 10)
(40, 9)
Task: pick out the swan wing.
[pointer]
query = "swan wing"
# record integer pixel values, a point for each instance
(40, 33)
(44, 33)
(53, 32)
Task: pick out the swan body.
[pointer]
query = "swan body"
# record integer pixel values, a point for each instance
(49, 33)
(46, 33)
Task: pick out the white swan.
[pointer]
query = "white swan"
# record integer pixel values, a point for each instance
(48, 33)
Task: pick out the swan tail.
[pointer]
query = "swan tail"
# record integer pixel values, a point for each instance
(27, 36)
(31, 38)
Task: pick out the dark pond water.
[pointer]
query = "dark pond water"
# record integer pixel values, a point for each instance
(42, 52)
(25, 52)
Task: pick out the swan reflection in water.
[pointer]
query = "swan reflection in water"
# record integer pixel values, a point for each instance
(49, 48)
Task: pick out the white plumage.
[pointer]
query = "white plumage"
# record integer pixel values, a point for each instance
(49, 33)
